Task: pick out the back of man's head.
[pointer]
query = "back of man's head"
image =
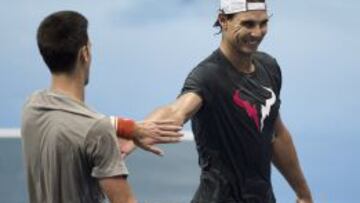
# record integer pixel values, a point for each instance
(60, 36)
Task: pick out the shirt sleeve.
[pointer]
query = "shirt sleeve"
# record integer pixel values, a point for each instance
(103, 151)
(278, 77)
(196, 82)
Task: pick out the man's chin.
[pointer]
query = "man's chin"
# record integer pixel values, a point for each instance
(247, 51)
(252, 49)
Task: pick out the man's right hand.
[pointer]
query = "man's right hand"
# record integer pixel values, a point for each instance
(156, 131)
(148, 133)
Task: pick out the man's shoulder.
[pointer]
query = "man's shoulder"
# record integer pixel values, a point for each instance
(101, 131)
(79, 125)
(209, 65)
(72, 120)
(59, 117)
(102, 125)
(52, 102)
(32, 98)
(211, 60)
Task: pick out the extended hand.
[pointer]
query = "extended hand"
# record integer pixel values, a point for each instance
(148, 133)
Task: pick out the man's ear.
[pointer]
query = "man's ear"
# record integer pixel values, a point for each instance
(85, 53)
(223, 21)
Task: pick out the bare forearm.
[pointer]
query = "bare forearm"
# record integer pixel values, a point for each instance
(286, 160)
(180, 110)
(117, 190)
(176, 113)
(167, 113)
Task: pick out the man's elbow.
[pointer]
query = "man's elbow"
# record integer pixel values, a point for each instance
(122, 198)
(130, 199)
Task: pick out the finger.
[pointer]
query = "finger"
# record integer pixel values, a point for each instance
(165, 133)
(156, 151)
(153, 149)
(170, 134)
(163, 122)
(166, 140)
(170, 127)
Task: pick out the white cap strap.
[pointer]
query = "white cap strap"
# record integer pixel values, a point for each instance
(235, 6)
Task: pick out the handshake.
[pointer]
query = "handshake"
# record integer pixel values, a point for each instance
(145, 134)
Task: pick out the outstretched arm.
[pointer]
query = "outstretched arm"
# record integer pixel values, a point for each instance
(178, 112)
(286, 161)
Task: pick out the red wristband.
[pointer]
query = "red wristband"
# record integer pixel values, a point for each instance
(125, 128)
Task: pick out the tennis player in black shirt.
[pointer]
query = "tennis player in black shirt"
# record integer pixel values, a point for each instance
(233, 100)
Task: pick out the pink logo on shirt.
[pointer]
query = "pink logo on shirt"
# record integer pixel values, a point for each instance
(250, 109)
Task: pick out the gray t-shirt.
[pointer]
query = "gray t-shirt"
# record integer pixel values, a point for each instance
(67, 148)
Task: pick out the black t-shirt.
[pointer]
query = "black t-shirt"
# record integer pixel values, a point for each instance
(234, 128)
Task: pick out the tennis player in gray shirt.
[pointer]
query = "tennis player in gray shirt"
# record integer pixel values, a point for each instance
(72, 153)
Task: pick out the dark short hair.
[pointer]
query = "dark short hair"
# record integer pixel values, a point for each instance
(60, 36)
(230, 16)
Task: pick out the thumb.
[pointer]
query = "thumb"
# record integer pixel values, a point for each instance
(153, 149)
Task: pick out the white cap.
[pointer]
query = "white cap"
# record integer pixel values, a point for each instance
(235, 6)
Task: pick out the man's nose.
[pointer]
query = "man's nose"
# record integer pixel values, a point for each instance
(257, 31)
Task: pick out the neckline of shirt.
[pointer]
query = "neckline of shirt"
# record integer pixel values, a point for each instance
(222, 57)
